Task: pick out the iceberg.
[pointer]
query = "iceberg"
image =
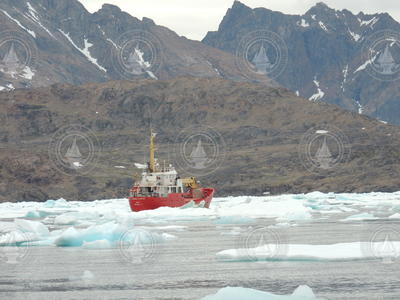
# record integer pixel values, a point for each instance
(76, 238)
(106, 235)
(238, 293)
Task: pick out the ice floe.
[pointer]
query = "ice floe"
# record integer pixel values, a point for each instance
(238, 293)
(301, 252)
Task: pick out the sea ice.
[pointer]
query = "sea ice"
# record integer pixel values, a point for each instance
(360, 217)
(238, 293)
(39, 229)
(299, 252)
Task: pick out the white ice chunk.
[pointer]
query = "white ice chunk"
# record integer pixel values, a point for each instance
(38, 228)
(60, 203)
(238, 293)
(301, 252)
(100, 244)
(360, 217)
(140, 166)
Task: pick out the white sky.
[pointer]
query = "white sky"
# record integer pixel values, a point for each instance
(194, 19)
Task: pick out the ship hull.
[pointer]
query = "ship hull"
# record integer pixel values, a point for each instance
(173, 200)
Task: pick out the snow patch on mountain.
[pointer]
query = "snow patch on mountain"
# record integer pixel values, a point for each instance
(322, 25)
(320, 94)
(32, 33)
(360, 107)
(85, 51)
(108, 39)
(345, 73)
(356, 37)
(369, 23)
(28, 73)
(33, 15)
(303, 23)
(365, 65)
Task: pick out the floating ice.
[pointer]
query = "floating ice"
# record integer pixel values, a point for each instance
(233, 220)
(37, 228)
(395, 216)
(61, 203)
(86, 276)
(298, 252)
(101, 244)
(106, 235)
(76, 238)
(360, 217)
(238, 293)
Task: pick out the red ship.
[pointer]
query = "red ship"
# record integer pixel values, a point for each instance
(162, 187)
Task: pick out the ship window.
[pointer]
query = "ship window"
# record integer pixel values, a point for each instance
(174, 189)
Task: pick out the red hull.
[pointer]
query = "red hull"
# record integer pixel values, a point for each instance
(173, 200)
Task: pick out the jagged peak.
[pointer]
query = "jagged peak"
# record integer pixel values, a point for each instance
(237, 4)
(148, 21)
(319, 7)
(110, 7)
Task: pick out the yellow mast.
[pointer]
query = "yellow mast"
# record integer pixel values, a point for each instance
(152, 163)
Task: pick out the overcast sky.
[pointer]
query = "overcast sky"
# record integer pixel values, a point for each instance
(194, 18)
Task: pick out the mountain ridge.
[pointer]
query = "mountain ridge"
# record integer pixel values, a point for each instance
(327, 54)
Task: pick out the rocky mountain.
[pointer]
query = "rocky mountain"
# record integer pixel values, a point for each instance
(324, 55)
(43, 42)
(84, 142)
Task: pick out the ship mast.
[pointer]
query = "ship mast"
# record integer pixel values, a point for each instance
(152, 162)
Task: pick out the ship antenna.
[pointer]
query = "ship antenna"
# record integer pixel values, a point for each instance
(152, 163)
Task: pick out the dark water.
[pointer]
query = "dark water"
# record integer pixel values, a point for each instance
(186, 268)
